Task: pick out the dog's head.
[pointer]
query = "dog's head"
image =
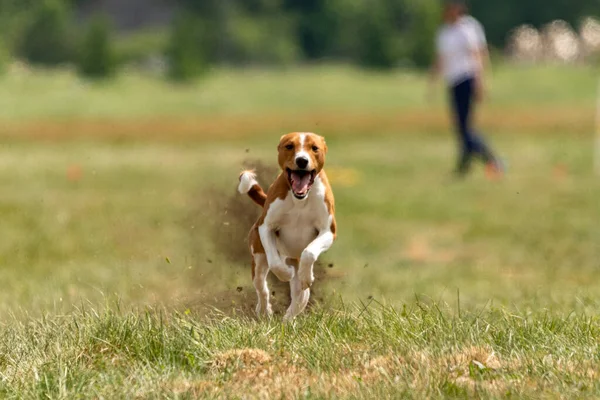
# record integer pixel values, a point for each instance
(301, 157)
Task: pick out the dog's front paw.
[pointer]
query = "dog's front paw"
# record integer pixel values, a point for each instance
(307, 283)
(305, 272)
(306, 278)
(264, 311)
(288, 317)
(283, 272)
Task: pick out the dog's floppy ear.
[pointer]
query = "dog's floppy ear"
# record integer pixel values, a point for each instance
(280, 140)
(324, 144)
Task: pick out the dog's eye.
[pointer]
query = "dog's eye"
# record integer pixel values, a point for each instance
(315, 148)
(289, 146)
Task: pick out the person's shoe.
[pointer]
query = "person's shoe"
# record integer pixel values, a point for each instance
(495, 170)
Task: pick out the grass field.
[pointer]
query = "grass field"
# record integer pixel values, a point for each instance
(124, 268)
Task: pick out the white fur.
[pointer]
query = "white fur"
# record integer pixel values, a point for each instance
(276, 265)
(300, 298)
(263, 307)
(303, 153)
(298, 229)
(247, 180)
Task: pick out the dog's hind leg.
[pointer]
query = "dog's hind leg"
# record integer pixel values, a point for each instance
(299, 296)
(261, 270)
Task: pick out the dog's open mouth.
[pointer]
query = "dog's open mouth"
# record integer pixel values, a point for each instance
(301, 181)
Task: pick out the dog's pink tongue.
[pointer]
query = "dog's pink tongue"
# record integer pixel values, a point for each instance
(300, 183)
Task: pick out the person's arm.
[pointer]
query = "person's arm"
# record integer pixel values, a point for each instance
(482, 58)
(480, 75)
(434, 72)
(486, 58)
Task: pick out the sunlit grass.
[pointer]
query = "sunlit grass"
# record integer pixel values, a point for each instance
(423, 351)
(43, 95)
(111, 273)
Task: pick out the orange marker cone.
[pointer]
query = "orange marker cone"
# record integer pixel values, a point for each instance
(74, 173)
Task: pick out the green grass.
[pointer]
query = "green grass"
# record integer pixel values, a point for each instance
(421, 351)
(115, 253)
(39, 94)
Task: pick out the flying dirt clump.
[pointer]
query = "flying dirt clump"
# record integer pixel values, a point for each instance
(230, 216)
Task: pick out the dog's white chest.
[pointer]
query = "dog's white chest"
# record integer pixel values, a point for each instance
(295, 231)
(297, 223)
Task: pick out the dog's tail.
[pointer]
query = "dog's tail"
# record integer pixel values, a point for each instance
(249, 185)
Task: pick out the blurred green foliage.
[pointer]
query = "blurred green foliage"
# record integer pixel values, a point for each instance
(185, 51)
(371, 33)
(97, 57)
(4, 57)
(378, 34)
(139, 46)
(46, 39)
(423, 27)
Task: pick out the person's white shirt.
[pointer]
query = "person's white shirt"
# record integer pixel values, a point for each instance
(456, 45)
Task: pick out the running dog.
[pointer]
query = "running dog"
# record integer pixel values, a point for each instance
(297, 223)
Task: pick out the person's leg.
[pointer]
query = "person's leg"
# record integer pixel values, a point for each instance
(460, 108)
(476, 143)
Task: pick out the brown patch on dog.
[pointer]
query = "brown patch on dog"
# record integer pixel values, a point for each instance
(257, 195)
(329, 202)
(290, 144)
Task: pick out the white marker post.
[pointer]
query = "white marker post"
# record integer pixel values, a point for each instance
(597, 135)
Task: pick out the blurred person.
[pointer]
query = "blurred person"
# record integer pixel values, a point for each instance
(462, 59)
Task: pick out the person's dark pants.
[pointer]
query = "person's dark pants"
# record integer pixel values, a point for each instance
(471, 143)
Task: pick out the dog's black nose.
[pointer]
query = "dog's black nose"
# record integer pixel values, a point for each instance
(301, 162)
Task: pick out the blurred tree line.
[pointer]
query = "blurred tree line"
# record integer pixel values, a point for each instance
(370, 33)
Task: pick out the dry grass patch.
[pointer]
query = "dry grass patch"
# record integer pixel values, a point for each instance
(257, 374)
(540, 120)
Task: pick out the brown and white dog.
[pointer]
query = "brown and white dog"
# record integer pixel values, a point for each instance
(297, 223)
